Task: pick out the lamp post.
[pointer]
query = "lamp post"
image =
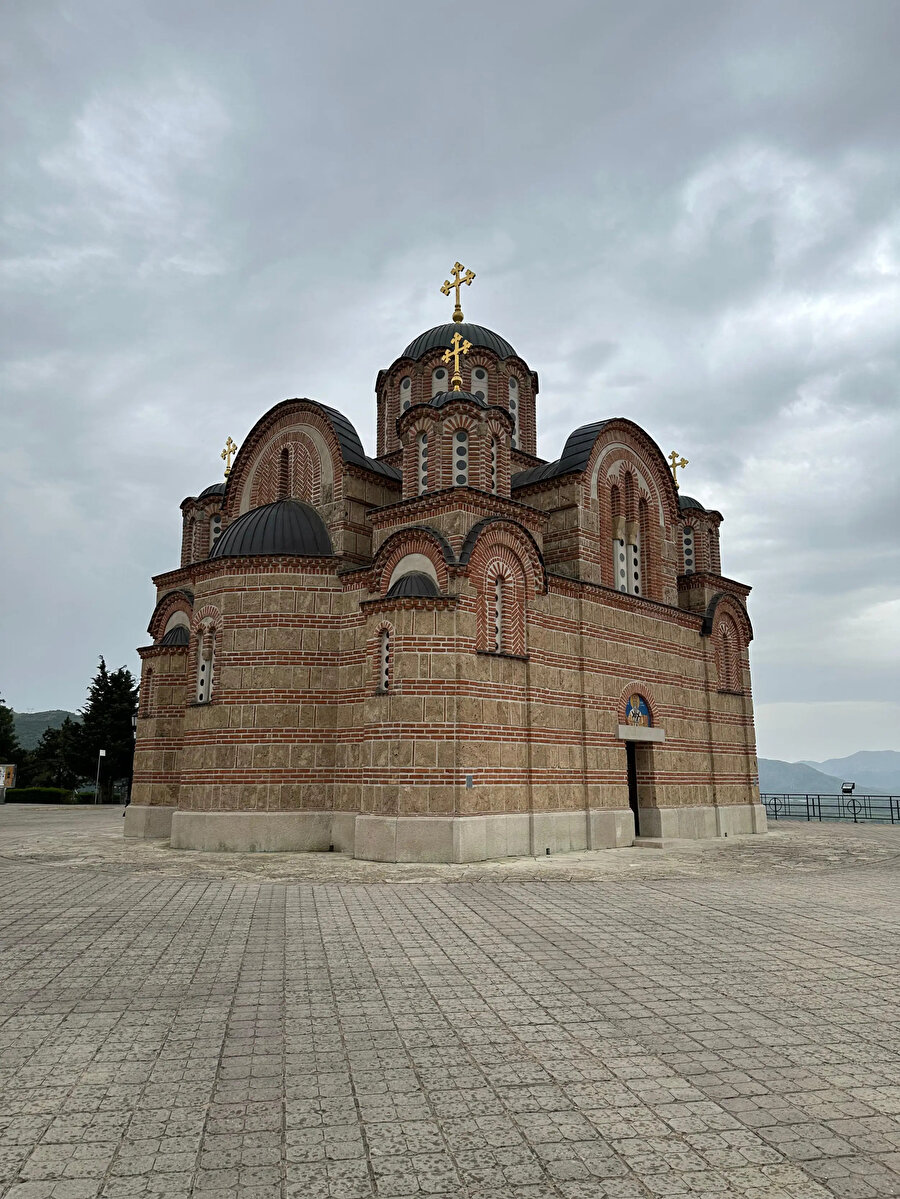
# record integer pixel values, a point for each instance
(100, 754)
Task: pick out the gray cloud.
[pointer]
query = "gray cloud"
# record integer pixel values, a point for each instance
(683, 213)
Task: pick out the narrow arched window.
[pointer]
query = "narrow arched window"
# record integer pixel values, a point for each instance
(514, 409)
(438, 380)
(405, 393)
(215, 528)
(688, 549)
(206, 652)
(423, 462)
(479, 382)
(461, 458)
(284, 474)
(498, 613)
(620, 563)
(384, 660)
(495, 454)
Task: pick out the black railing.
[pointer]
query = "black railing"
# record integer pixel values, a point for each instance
(879, 809)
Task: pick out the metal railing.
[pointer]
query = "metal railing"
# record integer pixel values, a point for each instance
(879, 809)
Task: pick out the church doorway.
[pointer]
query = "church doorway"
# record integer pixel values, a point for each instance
(631, 759)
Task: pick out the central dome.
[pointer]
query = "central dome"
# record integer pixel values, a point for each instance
(285, 527)
(439, 338)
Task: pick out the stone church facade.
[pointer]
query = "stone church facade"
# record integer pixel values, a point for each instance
(453, 650)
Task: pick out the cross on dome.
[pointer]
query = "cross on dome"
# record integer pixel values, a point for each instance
(461, 275)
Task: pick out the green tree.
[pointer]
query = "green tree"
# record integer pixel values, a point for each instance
(10, 750)
(106, 724)
(51, 762)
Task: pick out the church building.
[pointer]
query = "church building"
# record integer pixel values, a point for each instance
(453, 650)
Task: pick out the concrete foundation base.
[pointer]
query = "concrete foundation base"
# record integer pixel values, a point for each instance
(435, 838)
(701, 823)
(142, 820)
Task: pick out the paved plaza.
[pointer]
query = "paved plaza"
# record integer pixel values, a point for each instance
(718, 1019)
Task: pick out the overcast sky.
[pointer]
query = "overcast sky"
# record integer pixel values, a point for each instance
(686, 213)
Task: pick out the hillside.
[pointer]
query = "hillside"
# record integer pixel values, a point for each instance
(778, 777)
(869, 769)
(30, 726)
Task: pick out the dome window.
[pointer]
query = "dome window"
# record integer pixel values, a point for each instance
(405, 393)
(494, 464)
(514, 409)
(688, 548)
(423, 463)
(480, 382)
(215, 528)
(461, 458)
(438, 380)
(384, 660)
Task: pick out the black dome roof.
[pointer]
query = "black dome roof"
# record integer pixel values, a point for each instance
(686, 501)
(177, 635)
(213, 489)
(416, 583)
(447, 397)
(285, 527)
(439, 337)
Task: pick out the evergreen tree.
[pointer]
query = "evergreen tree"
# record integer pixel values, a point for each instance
(50, 763)
(10, 750)
(106, 724)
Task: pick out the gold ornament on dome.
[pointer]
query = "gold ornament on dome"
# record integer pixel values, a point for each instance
(460, 276)
(677, 465)
(227, 454)
(460, 346)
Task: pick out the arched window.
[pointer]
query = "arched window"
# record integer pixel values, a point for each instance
(514, 408)
(461, 458)
(498, 614)
(215, 528)
(729, 657)
(495, 454)
(688, 549)
(384, 660)
(438, 380)
(405, 393)
(206, 653)
(423, 462)
(479, 384)
(620, 565)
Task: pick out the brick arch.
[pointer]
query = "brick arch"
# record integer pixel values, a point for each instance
(304, 480)
(626, 693)
(504, 565)
(415, 540)
(630, 442)
(373, 654)
(494, 532)
(205, 623)
(168, 605)
(626, 490)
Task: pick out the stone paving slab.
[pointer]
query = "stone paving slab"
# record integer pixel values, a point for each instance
(707, 1021)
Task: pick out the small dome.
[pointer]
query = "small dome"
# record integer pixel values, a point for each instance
(447, 397)
(177, 635)
(285, 527)
(440, 336)
(686, 501)
(213, 489)
(416, 583)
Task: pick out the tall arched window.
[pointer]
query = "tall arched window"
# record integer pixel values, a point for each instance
(479, 384)
(460, 458)
(495, 454)
(384, 660)
(498, 613)
(688, 549)
(620, 565)
(206, 653)
(729, 657)
(405, 393)
(422, 444)
(215, 528)
(514, 408)
(438, 380)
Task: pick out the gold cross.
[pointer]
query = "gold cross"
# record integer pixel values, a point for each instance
(676, 466)
(460, 346)
(459, 278)
(227, 454)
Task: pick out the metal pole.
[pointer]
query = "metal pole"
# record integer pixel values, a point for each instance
(101, 753)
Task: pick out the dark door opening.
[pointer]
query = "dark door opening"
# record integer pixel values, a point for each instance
(633, 785)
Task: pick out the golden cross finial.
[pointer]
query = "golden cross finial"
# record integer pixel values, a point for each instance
(460, 276)
(460, 346)
(677, 464)
(227, 454)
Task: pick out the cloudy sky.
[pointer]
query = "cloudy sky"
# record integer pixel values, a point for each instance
(687, 213)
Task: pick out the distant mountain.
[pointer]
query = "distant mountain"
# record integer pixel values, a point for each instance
(869, 769)
(30, 726)
(780, 777)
